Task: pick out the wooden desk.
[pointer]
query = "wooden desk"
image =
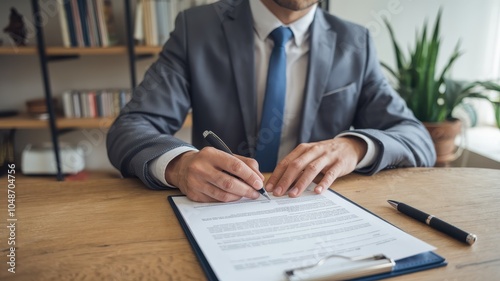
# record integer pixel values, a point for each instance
(115, 229)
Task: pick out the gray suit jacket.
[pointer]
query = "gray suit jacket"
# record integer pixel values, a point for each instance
(208, 65)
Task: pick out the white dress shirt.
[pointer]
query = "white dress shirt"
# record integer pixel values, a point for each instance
(297, 59)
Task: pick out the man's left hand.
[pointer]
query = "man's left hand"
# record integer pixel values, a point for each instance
(332, 158)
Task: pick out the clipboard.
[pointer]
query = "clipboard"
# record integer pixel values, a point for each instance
(388, 268)
(380, 267)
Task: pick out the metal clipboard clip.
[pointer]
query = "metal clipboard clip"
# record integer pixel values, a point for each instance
(337, 267)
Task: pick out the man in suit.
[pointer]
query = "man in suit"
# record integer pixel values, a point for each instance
(260, 73)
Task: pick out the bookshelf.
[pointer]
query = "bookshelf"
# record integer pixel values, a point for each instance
(47, 54)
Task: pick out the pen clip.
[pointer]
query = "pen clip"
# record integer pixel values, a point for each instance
(208, 133)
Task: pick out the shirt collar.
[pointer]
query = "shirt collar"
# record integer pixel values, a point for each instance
(265, 22)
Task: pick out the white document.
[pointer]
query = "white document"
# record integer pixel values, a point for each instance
(260, 239)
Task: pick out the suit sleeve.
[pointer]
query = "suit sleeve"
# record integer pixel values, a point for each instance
(145, 127)
(384, 117)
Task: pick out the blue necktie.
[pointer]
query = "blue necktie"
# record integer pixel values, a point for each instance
(268, 142)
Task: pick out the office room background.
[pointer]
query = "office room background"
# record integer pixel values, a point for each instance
(475, 23)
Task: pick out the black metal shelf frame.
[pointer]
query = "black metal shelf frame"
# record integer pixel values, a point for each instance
(44, 61)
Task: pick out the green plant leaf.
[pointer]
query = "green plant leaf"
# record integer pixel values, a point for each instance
(419, 80)
(391, 71)
(400, 60)
(420, 86)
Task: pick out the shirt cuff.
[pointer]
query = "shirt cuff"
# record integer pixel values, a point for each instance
(372, 150)
(158, 166)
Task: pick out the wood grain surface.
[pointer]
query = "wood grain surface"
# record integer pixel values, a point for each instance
(107, 228)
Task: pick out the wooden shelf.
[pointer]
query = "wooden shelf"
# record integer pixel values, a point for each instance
(88, 51)
(26, 122)
(143, 50)
(18, 50)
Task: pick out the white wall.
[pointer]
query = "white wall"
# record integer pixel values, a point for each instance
(475, 23)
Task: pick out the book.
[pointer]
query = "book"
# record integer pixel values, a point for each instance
(77, 23)
(77, 113)
(153, 22)
(139, 24)
(92, 108)
(109, 19)
(92, 23)
(70, 22)
(101, 20)
(82, 11)
(99, 104)
(67, 104)
(147, 22)
(162, 19)
(155, 19)
(174, 10)
(64, 23)
(94, 103)
(116, 103)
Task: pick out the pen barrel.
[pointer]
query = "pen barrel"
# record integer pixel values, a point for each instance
(412, 212)
(449, 229)
(437, 224)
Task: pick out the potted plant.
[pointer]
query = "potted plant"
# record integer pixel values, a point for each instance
(425, 90)
(457, 91)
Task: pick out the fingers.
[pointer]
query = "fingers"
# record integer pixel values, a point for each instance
(311, 171)
(250, 176)
(276, 176)
(253, 164)
(198, 196)
(332, 158)
(300, 171)
(212, 175)
(199, 187)
(226, 186)
(329, 176)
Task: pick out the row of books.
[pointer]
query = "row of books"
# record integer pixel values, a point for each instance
(155, 19)
(87, 23)
(94, 103)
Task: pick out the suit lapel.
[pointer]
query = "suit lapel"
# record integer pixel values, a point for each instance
(238, 28)
(323, 40)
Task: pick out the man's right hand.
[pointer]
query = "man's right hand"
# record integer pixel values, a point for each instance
(211, 175)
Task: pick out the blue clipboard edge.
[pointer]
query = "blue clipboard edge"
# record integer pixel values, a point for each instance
(408, 265)
(192, 241)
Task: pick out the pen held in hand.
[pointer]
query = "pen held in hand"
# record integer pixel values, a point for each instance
(216, 142)
(434, 222)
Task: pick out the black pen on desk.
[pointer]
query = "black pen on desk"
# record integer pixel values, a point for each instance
(216, 142)
(434, 222)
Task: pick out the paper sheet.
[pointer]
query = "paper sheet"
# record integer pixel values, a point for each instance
(252, 239)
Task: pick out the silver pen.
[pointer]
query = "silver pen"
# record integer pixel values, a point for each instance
(216, 142)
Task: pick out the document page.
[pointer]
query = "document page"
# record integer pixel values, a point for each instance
(252, 239)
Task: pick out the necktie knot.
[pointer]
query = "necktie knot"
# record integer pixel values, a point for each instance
(281, 35)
